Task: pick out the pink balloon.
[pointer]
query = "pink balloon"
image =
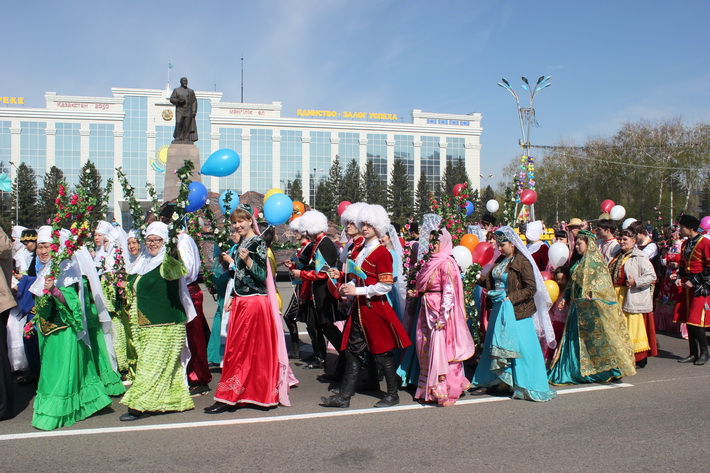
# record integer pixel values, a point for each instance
(607, 205)
(705, 223)
(483, 253)
(528, 197)
(342, 206)
(458, 188)
(546, 276)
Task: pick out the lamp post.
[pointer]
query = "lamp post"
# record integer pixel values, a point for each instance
(315, 186)
(526, 116)
(17, 194)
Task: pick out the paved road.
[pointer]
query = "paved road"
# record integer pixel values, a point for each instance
(654, 421)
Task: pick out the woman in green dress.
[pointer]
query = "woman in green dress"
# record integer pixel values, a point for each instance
(160, 383)
(69, 388)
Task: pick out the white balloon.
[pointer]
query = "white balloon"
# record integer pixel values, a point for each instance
(617, 212)
(463, 257)
(558, 254)
(492, 205)
(627, 222)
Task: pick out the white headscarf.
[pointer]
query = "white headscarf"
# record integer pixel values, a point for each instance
(400, 285)
(533, 233)
(44, 234)
(145, 262)
(541, 317)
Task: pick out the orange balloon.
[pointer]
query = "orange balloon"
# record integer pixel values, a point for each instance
(469, 241)
(298, 209)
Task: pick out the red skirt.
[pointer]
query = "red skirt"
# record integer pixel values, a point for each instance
(250, 370)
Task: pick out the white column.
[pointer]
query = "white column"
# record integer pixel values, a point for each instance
(417, 162)
(51, 146)
(84, 133)
(362, 161)
(276, 160)
(118, 162)
(15, 148)
(472, 153)
(246, 168)
(212, 183)
(306, 167)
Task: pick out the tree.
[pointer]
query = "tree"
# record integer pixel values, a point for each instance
(460, 173)
(49, 192)
(352, 187)
(323, 201)
(422, 203)
(375, 191)
(90, 181)
(333, 188)
(25, 190)
(294, 189)
(399, 193)
(448, 180)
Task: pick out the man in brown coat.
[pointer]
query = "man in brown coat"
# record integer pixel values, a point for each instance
(7, 302)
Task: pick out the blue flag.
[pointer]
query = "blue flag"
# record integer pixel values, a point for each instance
(353, 268)
(320, 262)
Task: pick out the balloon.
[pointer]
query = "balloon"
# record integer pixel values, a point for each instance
(558, 254)
(463, 257)
(617, 212)
(552, 289)
(227, 209)
(546, 275)
(197, 197)
(482, 253)
(222, 162)
(469, 208)
(458, 188)
(607, 205)
(705, 223)
(271, 192)
(298, 209)
(492, 205)
(278, 209)
(627, 222)
(342, 206)
(469, 241)
(528, 197)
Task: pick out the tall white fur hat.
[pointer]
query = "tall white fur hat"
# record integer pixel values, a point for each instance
(350, 213)
(375, 216)
(313, 222)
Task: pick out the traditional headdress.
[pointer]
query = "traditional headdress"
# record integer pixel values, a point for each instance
(375, 216)
(28, 235)
(350, 213)
(313, 222)
(689, 221)
(44, 234)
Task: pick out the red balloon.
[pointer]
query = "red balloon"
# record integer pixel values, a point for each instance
(607, 205)
(342, 206)
(483, 253)
(458, 188)
(546, 276)
(528, 197)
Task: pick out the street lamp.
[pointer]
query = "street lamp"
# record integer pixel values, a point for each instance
(314, 187)
(526, 116)
(17, 194)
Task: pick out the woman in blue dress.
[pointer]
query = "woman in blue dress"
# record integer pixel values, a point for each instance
(519, 322)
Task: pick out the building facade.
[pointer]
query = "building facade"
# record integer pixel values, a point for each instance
(133, 128)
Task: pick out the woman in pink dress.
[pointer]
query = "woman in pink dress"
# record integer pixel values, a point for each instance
(443, 339)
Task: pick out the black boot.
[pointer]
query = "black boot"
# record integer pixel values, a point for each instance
(386, 362)
(372, 382)
(347, 388)
(693, 347)
(295, 352)
(702, 339)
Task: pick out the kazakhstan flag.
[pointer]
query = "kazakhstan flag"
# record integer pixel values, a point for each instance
(353, 268)
(320, 262)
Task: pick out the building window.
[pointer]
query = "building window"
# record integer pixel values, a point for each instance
(5, 144)
(135, 142)
(404, 151)
(291, 157)
(33, 146)
(260, 175)
(348, 148)
(101, 151)
(204, 127)
(455, 150)
(377, 152)
(320, 159)
(431, 161)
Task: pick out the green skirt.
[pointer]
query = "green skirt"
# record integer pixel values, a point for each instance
(110, 378)
(69, 389)
(160, 384)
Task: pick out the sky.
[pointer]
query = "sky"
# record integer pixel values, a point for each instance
(610, 61)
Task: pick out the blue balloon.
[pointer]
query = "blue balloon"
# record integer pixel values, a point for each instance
(227, 210)
(197, 197)
(222, 162)
(278, 209)
(469, 208)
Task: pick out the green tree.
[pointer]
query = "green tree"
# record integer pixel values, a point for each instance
(352, 186)
(448, 180)
(375, 190)
(422, 203)
(400, 198)
(25, 190)
(323, 201)
(90, 181)
(49, 192)
(294, 189)
(334, 189)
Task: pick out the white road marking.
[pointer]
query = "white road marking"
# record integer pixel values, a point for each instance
(260, 420)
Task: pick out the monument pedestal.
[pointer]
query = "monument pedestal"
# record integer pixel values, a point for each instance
(177, 155)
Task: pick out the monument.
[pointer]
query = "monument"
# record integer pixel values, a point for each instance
(185, 134)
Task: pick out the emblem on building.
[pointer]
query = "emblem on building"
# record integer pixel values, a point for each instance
(167, 114)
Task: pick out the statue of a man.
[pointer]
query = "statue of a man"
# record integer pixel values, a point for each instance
(185, 111)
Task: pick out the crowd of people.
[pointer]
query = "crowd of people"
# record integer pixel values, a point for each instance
(123, 317)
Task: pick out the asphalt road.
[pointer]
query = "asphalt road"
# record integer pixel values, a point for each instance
(656, 420)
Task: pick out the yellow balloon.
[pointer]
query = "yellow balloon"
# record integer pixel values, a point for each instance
(271, 192)
(552, 289)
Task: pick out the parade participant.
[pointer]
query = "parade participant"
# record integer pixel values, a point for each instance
(197, 328)
(355, 238)
(134, 249)
(222, 275)
(372, 323)
(158, 304)
(606, 242)
(574, 226)
(398, 294)
(558, 315)
(512, 355)
(633, 276)
(669, 294)
(7, 302)
(442, 336)
(644, 242)
(24, 249)
(694, 278)
(255, 368)
(69, 388)
(595, 346)
(321, 304)
(537, 248)
(293, 313)
(25, 313)
(488, 222)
